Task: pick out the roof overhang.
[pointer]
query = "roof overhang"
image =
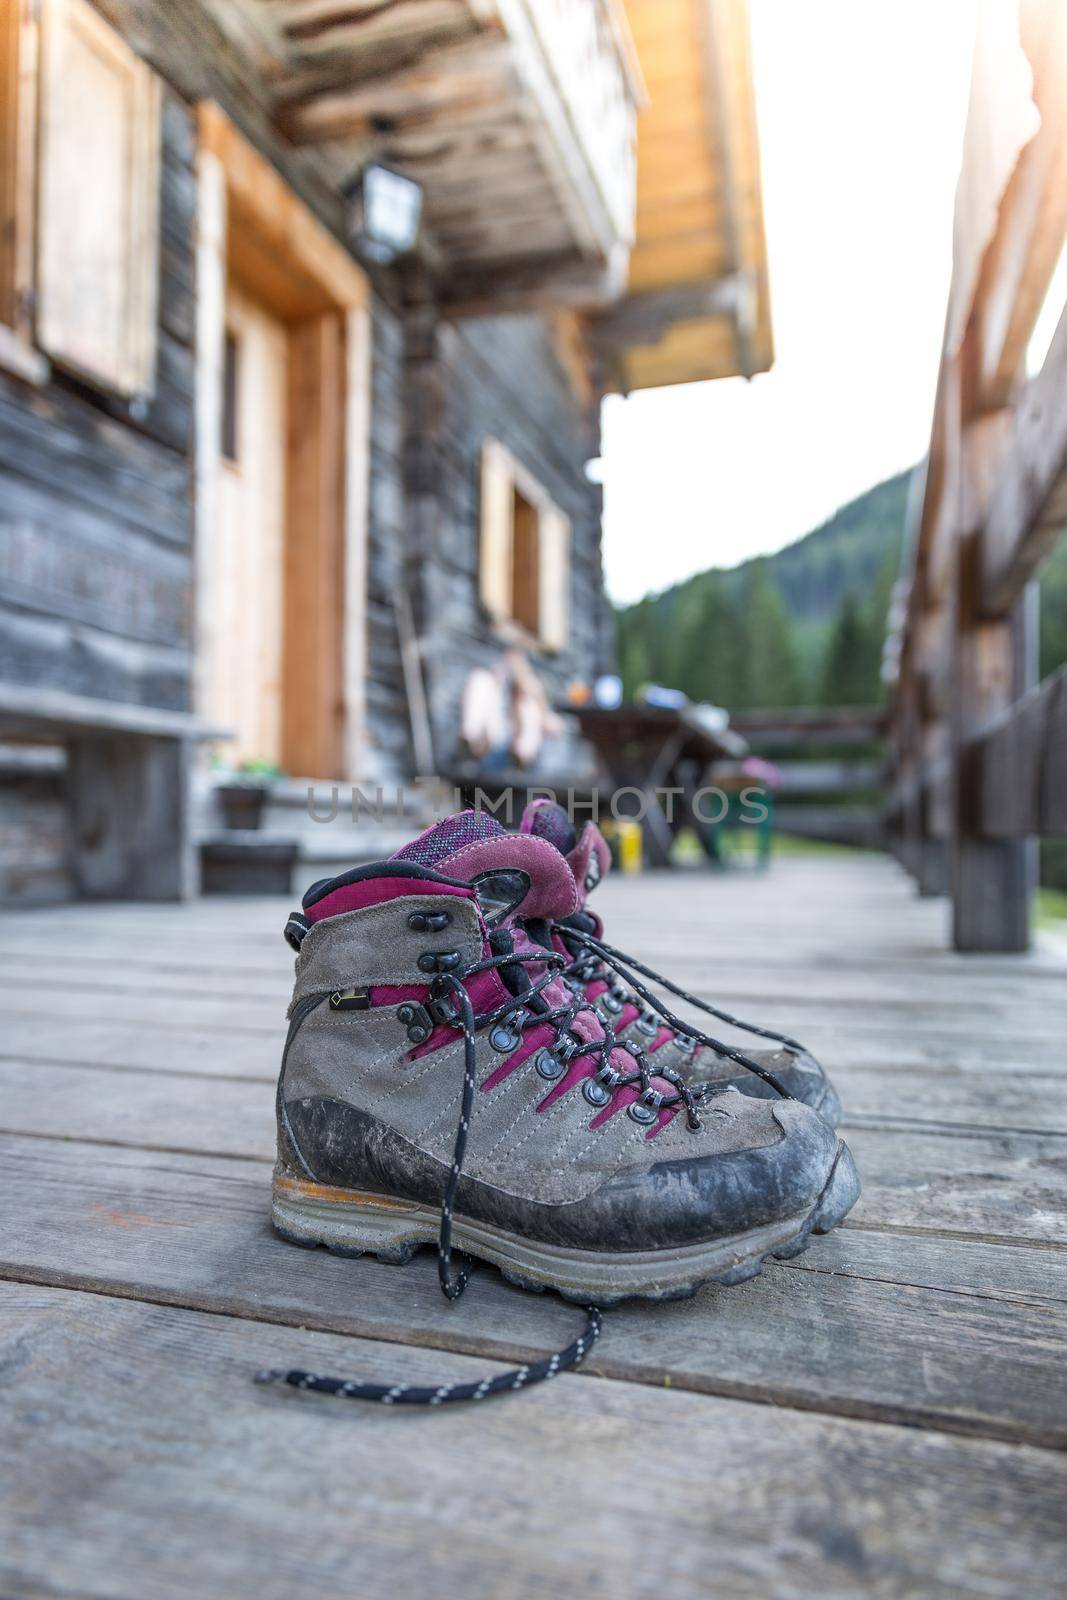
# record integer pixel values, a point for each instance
(697, 303)
(517, 118)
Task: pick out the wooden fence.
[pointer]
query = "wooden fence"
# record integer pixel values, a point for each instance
(831, 766)
(978, 748)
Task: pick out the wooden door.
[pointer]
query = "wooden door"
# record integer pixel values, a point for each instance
(247, 565)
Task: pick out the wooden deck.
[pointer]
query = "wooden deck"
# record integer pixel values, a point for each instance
(881, 1416)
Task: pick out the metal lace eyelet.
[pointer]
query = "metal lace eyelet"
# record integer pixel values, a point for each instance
(549, 1066)
(428, 921)
(647, 1024)
(438, 961)
(612, 1002)
(595, 1092)
(608, 1076)
(684, 1044)
(417, 1021)
(504, 1039)
(642, 1113)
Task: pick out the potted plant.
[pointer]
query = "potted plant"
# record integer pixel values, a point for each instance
(244, 795)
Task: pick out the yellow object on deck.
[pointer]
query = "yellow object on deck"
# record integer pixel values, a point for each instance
(624, 837)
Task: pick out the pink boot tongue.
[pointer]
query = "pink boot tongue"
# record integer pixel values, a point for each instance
(587, 853)
(472, 846)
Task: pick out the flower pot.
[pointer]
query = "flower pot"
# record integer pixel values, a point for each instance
(242, 804)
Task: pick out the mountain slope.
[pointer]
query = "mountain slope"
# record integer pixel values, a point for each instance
(803, 626)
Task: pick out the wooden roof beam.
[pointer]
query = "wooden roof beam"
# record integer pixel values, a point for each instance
(538, 284)
(643, 319)
(474, 70)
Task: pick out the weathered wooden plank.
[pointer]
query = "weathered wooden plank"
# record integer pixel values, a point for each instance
(200, 948)
(176, 1473)
(241, 1053)
(82, 658)
(64, 559)
(193, 1230)
(141, 1110)
(61, 442)
(168, 1044)
(864, 1030)
(998, 1185)
(992, 1182)
(165, 1106)
(1019, 1101)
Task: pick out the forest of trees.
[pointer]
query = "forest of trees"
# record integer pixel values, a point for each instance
(803, 627)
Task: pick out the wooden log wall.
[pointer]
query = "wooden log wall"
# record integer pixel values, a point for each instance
(96, 506)
(502, 378)
(95, 509)
(389, 754)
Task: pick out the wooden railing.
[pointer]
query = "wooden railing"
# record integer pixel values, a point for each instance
(831, 768)
(978, 749)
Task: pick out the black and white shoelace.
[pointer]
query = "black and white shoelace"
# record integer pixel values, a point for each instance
(516, 1010)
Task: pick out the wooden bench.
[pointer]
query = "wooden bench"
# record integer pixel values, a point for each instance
(129, 833)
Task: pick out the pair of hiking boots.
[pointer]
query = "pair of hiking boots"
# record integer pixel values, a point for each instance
(469, 1063)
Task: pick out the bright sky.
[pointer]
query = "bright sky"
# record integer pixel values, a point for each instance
(861, 109)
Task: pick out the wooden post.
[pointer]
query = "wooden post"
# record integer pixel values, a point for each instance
(933, 734)
(993, 665)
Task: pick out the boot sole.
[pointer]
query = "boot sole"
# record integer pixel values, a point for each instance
(351, 1223)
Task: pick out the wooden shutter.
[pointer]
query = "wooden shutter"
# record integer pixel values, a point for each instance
(495, 556)
(555, 575)
(97, 261)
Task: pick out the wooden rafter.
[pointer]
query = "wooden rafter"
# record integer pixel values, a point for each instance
(645, 318)
(442, 76)
(532, 283)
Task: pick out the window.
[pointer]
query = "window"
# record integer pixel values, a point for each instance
(230, 358)
(79, 191)
(524, 577)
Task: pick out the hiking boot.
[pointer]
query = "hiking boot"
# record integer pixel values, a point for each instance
(439, 1083)
(590, 971)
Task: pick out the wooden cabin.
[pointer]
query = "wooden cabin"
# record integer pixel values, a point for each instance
(271, 490)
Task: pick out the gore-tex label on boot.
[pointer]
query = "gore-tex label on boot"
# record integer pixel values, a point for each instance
(350, 1000)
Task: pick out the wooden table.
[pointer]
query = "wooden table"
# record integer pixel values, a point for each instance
(651, 751)
(884, 1415)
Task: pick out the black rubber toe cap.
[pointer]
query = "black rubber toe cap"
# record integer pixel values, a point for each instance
(705, 1197)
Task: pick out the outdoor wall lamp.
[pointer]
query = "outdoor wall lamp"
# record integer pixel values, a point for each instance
(385, 209)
